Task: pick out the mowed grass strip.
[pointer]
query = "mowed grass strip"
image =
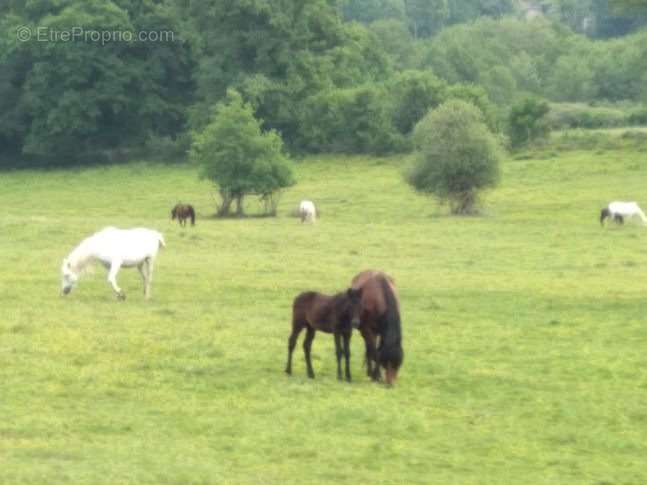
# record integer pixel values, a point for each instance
(524, 331)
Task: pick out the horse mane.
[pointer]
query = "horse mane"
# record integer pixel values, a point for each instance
(80, 265)
(390, 350)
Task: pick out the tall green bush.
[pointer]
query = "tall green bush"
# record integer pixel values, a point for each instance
(457, 156)
(238, 157)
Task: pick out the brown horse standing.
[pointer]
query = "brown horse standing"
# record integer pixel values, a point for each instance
(331, 314)
(380, 318)
(182, 212)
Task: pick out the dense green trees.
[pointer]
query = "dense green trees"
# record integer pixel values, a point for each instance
(346, 75)
(512, 58)
(69, 98)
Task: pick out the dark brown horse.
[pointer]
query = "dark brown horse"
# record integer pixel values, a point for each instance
(331, 314)
(182, 212)
(380, 319)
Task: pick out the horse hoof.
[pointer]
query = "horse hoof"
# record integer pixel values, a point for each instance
(121, 296)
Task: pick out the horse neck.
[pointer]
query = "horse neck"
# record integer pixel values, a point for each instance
(80, 257)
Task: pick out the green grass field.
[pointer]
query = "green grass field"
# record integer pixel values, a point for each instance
(525, 332)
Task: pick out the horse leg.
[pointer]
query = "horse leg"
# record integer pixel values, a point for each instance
(338, 352)
(371, 354)
(148, 265)
(367, 358)
(307, 345)
(347, 354)
(372, 365)
(292, 342)
(112, 279)
(142, 271)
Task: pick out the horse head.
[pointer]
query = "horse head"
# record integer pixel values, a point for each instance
(604, 213)
(354, 305)
(68, 277)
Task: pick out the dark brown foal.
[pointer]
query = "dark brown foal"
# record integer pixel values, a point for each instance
(331, 314)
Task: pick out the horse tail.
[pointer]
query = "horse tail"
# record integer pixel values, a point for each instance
(162, 244)
(192, 213)
(390, 353)
(642, 215)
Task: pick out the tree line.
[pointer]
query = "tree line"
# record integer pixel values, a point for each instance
(352, 76)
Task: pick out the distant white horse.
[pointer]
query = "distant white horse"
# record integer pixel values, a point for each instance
(307, 211)
(619, 210)
(114, 248)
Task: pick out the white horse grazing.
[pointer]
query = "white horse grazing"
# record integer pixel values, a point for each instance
(619, 210)
(114, 248)
(307, 211)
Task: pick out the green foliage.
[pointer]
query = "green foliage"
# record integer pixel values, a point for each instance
(528, 121)
(579, 115)
(599, 18)
(234, 154)
(469, 52)
(477, 96)
(413, 94)
(571, 79)
(393, 38)
(457, 155)
(426, 17)
(73, 99)
(278, 54)
(368, 11)
(349, 121)
(87, 101)
(500, 83)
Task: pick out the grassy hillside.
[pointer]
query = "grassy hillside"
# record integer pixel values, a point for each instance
(524, 332)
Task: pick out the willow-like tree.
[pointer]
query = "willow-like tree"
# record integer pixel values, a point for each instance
(457, 155)
(239, 158)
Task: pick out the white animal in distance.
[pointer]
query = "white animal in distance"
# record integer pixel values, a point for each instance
(307, 211)
(114, 248)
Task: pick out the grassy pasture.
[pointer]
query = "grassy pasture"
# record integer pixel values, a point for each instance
(525, 332)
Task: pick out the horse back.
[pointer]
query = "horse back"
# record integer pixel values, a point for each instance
(373, 299)
(313, 309)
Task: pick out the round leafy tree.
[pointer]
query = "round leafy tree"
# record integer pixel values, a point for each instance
(457, 155)
(239, 158)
